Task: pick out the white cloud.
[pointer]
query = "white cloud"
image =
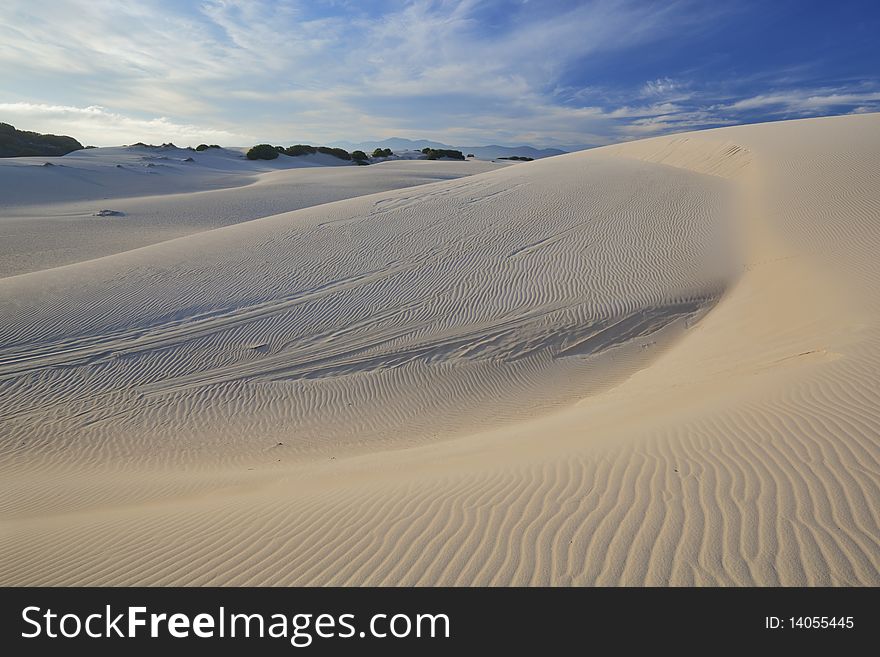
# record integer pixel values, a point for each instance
(661, 87)
(804, 100)
(98, 126)
(299, 70)
(282, 70)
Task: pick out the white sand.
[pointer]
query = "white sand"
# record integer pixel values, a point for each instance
(653, 363)
(48, 214)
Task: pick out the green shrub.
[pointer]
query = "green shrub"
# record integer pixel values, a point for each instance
(19, 143)
(382, 152)
(437, 153)
(202, 147)
(300, 149)
(262, 152)
(358, 155)
(305, 149)
(341, 153)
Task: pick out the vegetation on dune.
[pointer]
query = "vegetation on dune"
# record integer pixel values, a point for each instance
(341, 153)
(300, 149)
(382, 152)
(204, 147)
(305, 149)
(522, 158)
(23, 143)
(269, 152)
(143, 145)
(437, 153)
(262, 152)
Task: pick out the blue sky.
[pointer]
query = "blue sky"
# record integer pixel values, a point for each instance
(466, 72)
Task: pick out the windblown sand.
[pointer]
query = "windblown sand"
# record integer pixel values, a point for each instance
(656, 363)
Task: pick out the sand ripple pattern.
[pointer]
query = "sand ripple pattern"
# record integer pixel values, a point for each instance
(599, 369)
(393, 317)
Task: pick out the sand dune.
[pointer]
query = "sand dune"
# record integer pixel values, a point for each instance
(40, 229)
(653, 363)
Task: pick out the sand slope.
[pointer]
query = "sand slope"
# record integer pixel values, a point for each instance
(52, 216)
(653, 363)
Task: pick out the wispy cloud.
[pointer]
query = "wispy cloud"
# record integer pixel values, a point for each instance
(452, 70)
(112, 127)
(805, 100)
(661, 87)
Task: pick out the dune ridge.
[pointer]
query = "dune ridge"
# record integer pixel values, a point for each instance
(40, 231)
(653, 363)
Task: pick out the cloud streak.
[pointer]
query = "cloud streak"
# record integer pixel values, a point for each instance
(452, 70)
(112, 127)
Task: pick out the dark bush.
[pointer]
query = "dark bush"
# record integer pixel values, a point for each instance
(358, 155)
(382, 152)
(143, 145)
(202, 147)
(280, 149)
(437, 153)
(470, 155)
(305, 149)
(341, 153)
(21, 143)
(300, 149)
(262, 152)
(522, 158)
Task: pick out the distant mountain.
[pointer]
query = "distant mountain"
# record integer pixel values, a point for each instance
(21, 143)
(482, 152)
